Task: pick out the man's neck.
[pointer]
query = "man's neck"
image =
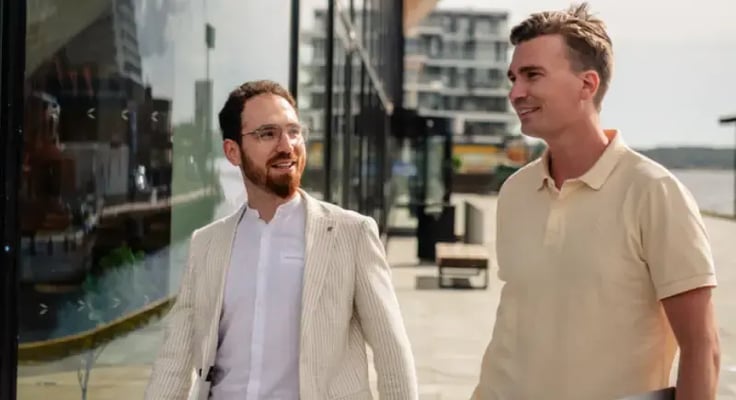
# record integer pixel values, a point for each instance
(575, 151)
(264, 202)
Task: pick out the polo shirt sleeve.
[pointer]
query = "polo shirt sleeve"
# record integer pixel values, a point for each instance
(674, 240)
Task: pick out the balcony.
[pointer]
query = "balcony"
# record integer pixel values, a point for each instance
(483, 116)
(466, 63)
(437, 86)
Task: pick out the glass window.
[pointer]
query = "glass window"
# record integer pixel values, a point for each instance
(313, 25)
(463, 25)
(121, 162)
(435, 46)
(502, 52)
(485, 51)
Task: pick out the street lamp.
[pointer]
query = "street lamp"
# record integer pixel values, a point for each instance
(731, 119)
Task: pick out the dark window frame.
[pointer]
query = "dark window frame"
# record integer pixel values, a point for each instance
(12, 64)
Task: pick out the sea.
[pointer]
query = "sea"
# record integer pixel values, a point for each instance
(713, 189)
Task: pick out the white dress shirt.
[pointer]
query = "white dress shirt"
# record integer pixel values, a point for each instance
(258, 348)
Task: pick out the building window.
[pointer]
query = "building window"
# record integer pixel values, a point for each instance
(463, 25)
(412, 46)
(501, 52)
(485, 51)
(319, 50)
(429, 101)
(449, 23)
(483, 26)
(318, 100)
(435, 46)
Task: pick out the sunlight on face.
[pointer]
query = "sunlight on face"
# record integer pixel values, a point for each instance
(546, 91)
(277, 165)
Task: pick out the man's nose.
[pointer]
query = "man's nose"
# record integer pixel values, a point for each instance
(518, 91)
(285, 143)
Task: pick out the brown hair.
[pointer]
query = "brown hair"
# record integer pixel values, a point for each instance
(585, 35)
(230, 115)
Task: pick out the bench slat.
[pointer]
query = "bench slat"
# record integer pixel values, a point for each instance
(461, 251)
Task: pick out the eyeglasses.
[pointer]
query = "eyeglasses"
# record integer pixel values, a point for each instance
(273, 133)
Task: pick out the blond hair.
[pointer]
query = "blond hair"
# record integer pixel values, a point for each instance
(589, 45)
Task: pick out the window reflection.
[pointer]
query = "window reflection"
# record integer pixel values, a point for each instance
(118, 168)
(312, 87)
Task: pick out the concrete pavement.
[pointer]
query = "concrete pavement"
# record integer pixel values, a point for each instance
(449, 329)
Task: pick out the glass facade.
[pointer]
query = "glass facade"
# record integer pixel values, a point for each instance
(118, 159)
(350, 76)
(111, 159)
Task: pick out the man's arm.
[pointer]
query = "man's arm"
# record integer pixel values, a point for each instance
(676, 248)
(380, 318)
(171, 375)
(693, 323)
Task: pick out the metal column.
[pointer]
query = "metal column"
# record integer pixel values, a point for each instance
(731, 119)
(12, 64)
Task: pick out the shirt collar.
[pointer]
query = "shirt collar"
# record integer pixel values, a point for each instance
(284, 210)
(597, 175)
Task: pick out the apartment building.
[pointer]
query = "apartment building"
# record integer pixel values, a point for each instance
(455, 66)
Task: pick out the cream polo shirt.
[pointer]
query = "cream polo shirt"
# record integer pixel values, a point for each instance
(584, 270)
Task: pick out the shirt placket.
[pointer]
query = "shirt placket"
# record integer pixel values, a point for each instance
(259, 324)
(555, 222)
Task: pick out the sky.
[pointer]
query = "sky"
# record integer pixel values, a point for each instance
(675, 67)
(674, 75)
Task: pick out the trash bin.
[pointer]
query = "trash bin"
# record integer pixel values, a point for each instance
(435, 223)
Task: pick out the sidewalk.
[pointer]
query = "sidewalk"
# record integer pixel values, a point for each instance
(449, 329)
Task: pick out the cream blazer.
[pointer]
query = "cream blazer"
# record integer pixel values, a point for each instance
(348, 302)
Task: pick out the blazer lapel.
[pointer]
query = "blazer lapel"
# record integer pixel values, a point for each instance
(320, 228)
(217, 265)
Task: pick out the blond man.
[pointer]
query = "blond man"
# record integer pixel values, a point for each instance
(605, 258)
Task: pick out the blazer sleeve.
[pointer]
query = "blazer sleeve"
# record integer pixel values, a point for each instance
(172, 371)
(380, 318)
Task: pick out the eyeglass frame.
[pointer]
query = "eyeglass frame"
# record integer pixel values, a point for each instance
(301, 138)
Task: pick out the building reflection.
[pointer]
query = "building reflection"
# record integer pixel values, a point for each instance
(98, 187)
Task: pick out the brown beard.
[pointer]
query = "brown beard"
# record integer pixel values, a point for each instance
(284, 185)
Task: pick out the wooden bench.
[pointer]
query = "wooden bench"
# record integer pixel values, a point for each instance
(462, 256)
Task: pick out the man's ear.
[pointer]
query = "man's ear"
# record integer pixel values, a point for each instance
(591, 83)
(232, 151)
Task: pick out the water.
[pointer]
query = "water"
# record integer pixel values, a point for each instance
(712, 189)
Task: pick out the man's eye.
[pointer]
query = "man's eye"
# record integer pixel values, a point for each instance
(267, 134)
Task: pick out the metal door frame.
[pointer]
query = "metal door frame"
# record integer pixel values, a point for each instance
(12, 66)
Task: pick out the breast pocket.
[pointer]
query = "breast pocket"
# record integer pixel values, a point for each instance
(292, 258)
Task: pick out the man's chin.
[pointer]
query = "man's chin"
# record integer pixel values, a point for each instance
(283, 192)
(531, 132)
(284, 189)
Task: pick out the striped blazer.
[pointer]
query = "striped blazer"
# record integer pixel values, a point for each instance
(348, 301)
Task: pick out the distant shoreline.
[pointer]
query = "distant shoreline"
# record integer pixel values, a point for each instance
(693, 158)
(712, 214)
(703, 168)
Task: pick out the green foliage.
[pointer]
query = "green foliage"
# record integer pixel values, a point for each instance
(457, 162)
(121, 256)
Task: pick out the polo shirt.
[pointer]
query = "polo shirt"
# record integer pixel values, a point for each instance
(584, 269)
